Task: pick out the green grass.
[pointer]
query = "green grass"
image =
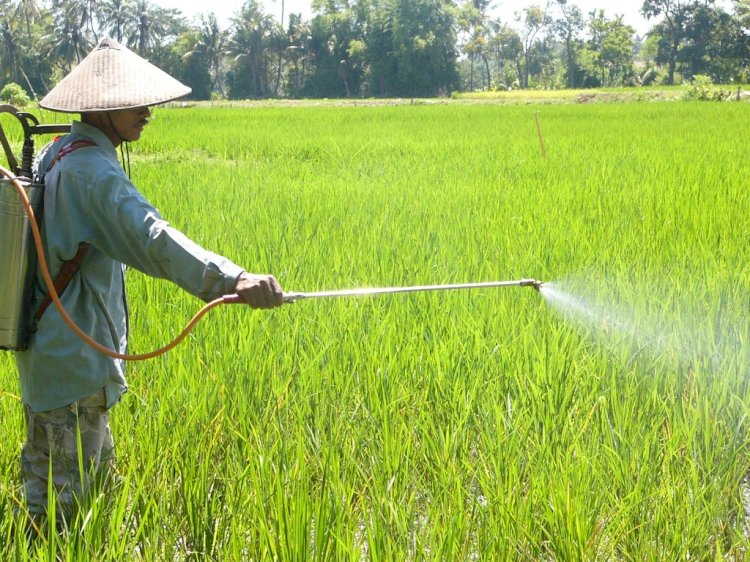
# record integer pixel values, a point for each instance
(640, 94)
(440, 426)
(598, 95)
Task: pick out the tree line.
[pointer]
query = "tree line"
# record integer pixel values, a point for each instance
(381, 48)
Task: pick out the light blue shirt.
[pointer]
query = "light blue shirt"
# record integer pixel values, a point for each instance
(89, 198)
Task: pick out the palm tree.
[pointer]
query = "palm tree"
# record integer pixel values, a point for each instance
(281, 50)
(299, 38)
(281, 21)
(90, 7)
(68, 41)
(214, 41)
(29, 9)
(9, 52)
(143, 24)
(152, 26)
(116, 17)
(248, 45)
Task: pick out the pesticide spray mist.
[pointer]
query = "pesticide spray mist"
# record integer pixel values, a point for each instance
(657, 324)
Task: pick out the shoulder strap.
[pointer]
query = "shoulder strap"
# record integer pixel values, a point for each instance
(64, 277)
(70, 267)
(64, 151)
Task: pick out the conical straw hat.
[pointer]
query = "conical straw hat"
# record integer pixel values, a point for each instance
(112, 77)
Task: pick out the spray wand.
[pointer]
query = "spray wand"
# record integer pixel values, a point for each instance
(290, 298)
(226, 299)
(294, 297)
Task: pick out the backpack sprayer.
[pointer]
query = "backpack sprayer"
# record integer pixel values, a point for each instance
(22, 252)
(17, 253)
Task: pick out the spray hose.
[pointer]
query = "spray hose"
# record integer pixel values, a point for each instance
(226, 299)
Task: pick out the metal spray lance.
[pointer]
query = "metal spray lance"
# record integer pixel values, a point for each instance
(290, 297)
(294, 297)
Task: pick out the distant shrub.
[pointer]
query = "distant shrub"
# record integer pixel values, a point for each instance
(702, 88)
(15, 95)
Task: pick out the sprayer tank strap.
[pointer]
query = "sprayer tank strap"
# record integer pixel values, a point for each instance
(73, 146)
(70, 267)
(64, 277)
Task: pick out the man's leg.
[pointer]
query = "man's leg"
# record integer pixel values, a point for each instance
(53, 436)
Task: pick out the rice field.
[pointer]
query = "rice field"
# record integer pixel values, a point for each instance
(603, 419)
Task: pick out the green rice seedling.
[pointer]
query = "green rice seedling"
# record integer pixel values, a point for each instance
(605, 418)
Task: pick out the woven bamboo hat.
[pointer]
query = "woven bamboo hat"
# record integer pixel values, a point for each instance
(112, 77)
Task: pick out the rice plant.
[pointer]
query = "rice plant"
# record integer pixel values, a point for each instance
(603, 419)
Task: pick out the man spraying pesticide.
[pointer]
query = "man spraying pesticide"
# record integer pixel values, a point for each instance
(96, 221)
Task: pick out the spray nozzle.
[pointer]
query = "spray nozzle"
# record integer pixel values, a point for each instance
(531, 283)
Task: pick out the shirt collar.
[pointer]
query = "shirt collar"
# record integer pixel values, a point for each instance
(101, 140)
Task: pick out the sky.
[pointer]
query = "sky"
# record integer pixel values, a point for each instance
(504, 9)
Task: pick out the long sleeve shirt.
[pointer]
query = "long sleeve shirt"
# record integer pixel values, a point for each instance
(89, 198)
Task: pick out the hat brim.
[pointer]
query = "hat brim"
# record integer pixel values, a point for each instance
(110, 78)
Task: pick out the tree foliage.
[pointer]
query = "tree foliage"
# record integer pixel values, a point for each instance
(14, 94)
(569, 27)
(249, 50)
(354, 48)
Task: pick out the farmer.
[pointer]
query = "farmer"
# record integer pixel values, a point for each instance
(96, 220)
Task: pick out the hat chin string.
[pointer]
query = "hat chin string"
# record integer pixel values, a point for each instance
(112, 125)
(125, 157)
(123, 141)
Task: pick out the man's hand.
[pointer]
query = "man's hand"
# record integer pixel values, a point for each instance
(259, 291)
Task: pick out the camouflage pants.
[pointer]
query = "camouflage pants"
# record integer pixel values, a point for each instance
(75, 443)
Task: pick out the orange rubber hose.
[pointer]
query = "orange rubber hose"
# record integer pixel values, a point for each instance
(226, 299)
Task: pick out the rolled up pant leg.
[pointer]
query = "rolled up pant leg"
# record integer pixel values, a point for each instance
(53, 437)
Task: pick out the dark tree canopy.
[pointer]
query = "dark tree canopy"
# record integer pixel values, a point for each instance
(364, 48)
